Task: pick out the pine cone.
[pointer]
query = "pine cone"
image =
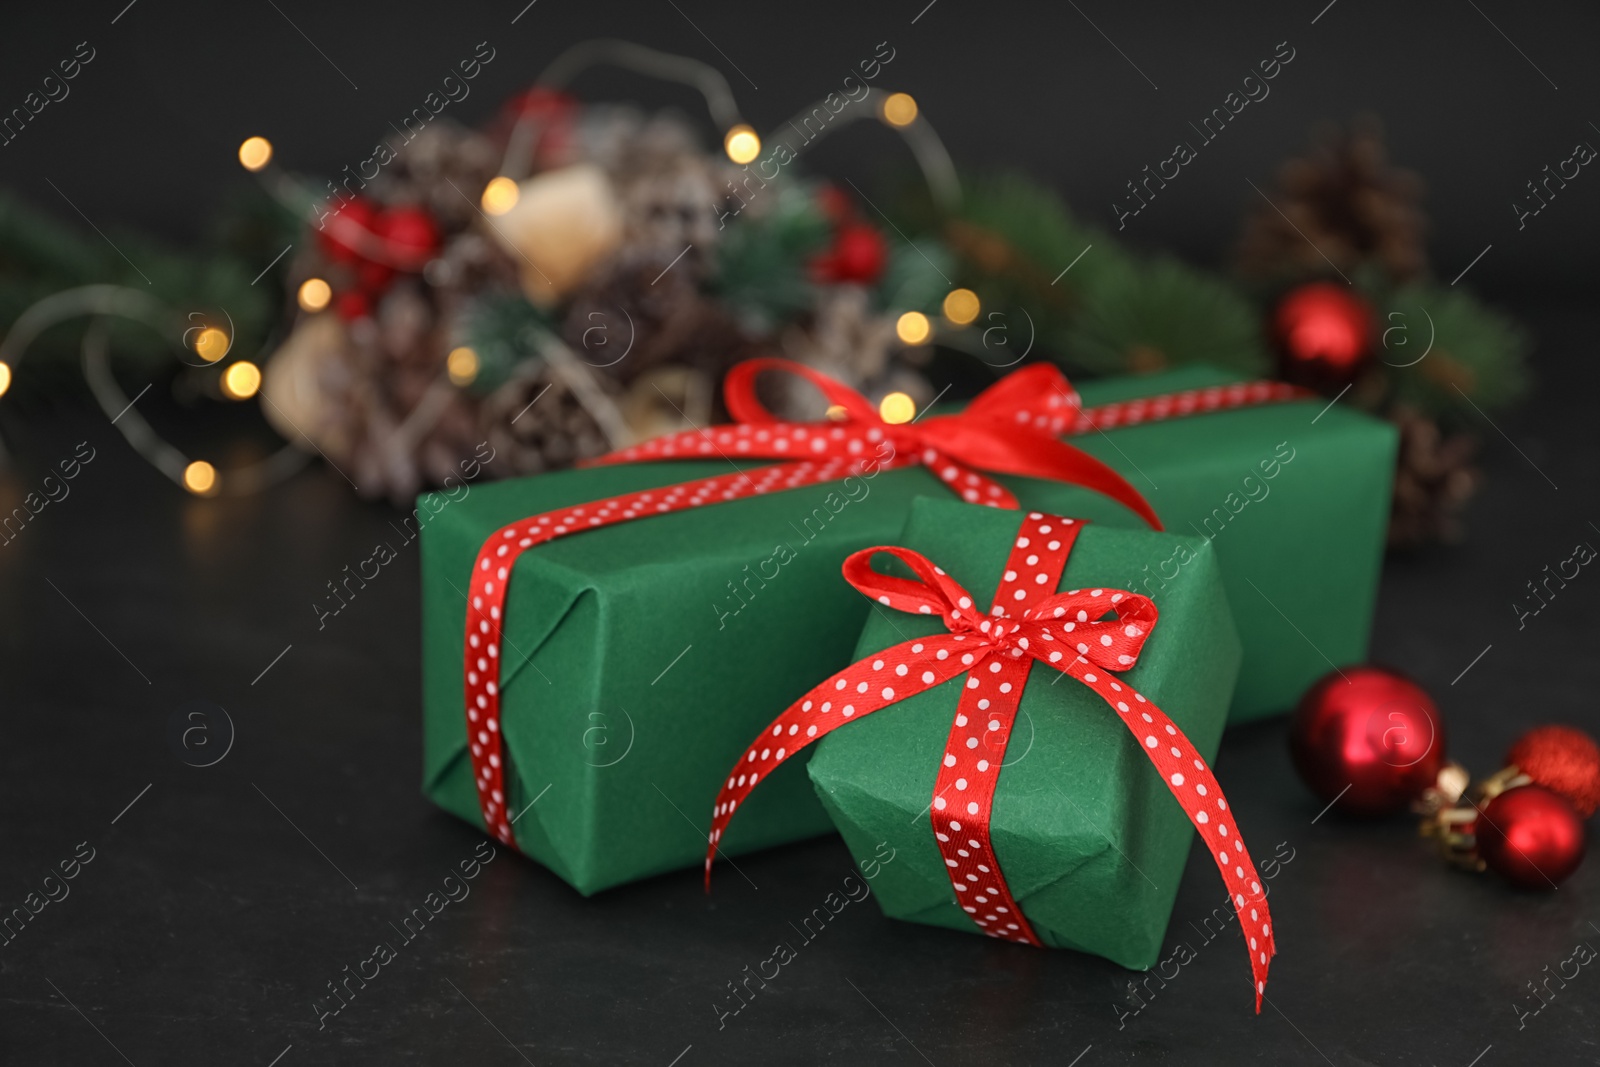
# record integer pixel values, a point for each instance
(443, 168)
(1434, 478)
(847, 339)
(657, 316)
(535, 423)
(1341, 200)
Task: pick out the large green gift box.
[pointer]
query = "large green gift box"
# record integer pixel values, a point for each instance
(641, 657)
(1089, 839)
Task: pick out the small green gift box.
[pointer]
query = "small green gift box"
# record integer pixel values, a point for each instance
(1090, 839)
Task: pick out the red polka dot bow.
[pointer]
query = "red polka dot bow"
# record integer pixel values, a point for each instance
(1010, 428)
(1029, 621)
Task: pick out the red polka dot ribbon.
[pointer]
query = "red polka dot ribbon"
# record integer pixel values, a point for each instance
(1029, 621)
(1187, 402)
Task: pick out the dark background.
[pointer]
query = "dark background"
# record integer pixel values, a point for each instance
(221, 902)
(148, 135)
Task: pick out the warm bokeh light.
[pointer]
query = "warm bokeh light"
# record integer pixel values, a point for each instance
(897, 408)
(211, 344)
(913, 328)
(742, 144)
(200, 478)
(5, 378)
(240, 381)
(899, 109)
(255, 153)
(462, 365)
(315, 294)
(837, 413)
(500, 195)
(961, 306)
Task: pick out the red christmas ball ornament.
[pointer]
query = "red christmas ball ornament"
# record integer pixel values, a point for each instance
(1530, 836)
(552, 112)
(352, 305)
(410, 237)
(836, 204)
(1325, 333)
(859, 254)
(541, 103)
(373, 278)
(350, 231)
(1367, 740)
(1564, 760)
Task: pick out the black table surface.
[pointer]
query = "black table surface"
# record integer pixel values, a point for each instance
(221, 901)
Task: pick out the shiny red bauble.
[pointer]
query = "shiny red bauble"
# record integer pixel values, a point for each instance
(1564, 760)
(1530, 836)
(859, 254)
(353, 304)
(373, 277)
(1325, 333)
(835, 204)
(551, 115)
(409, 236)
(1367, 740)
(544, 104)
(348, 230)
(375, 244)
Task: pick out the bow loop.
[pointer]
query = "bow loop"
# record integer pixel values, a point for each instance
(1038, 396)
(936, 594)
(739, 391)
(1077, 619)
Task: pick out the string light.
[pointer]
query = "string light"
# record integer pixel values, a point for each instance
(897, 408)
(5, 378)
(211, 343)
(899, 109)
(742, 144)
(200, 478)
(255, 153)
(462, 365)
(500, 195)
(961, 306)
(240, 381)
(315, 294)
(913, 328)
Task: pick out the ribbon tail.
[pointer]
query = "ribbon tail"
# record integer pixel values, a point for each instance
(1050, 458)
(992, 444)
(739, 390)
(1196, 790)
(885, 678)
(1037, 395)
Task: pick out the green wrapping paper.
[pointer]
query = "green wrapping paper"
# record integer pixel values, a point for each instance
(640, 658)
(1091, 842)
